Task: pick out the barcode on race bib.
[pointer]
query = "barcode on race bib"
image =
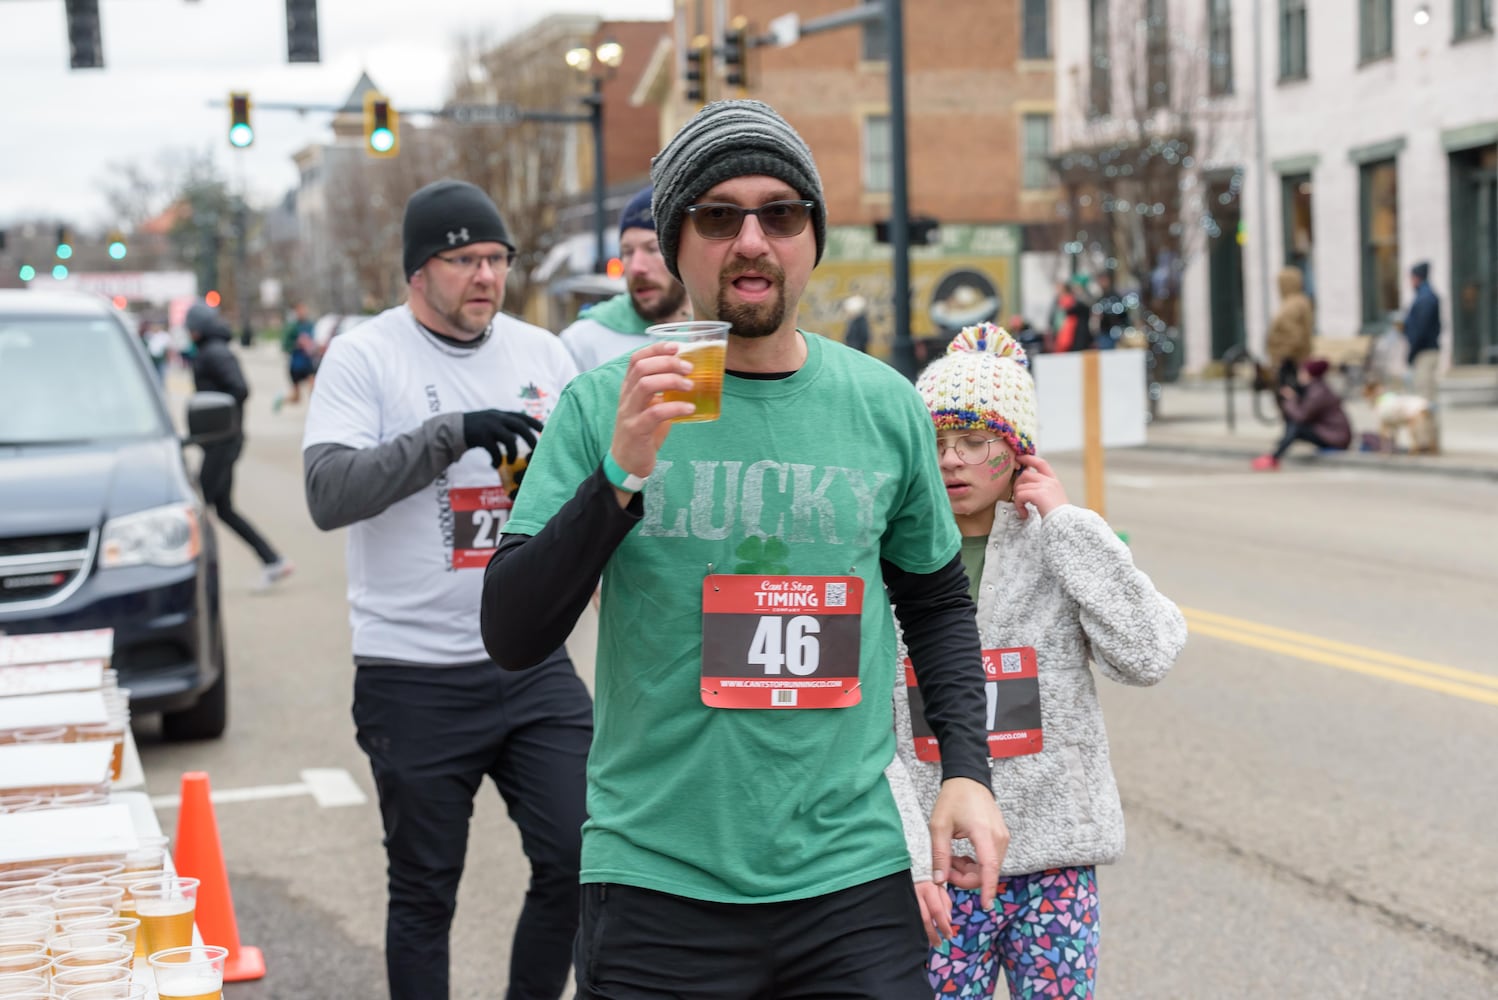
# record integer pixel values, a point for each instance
(1009, 663)
(782, 698)
(837, 595)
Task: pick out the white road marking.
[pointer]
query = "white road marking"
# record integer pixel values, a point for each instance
(329, 786)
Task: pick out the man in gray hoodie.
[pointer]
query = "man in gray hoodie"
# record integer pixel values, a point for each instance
(617, 326)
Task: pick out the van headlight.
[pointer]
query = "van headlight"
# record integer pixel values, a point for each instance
(161, 536)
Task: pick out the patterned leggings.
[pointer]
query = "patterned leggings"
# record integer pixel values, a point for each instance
(1043, 929)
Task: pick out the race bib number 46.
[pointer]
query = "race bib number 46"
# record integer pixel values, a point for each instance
(786, 642)
(478, 514)
(1012, 693)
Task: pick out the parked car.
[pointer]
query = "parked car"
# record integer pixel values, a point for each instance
(100, 524)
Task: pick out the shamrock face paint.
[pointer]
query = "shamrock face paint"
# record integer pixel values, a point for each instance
(974, 487)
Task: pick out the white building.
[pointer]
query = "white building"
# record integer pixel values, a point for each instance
(1379, 125)
(1381, 149)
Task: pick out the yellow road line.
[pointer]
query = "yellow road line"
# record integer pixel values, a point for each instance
(1333, 646)
(1359, 666)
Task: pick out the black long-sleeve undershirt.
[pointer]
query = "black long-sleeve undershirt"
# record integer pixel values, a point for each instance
(536, 587)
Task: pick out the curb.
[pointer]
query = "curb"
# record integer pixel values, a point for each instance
(1396, 463)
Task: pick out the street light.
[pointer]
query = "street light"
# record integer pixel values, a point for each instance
(598, 64)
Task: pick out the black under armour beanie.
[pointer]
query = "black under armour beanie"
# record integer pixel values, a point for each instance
(445, 215)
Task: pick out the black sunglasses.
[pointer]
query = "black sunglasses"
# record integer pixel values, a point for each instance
(720, 221)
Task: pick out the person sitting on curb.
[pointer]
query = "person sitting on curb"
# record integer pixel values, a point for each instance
(1314, 415)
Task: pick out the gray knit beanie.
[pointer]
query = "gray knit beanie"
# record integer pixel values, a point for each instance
(724, 140)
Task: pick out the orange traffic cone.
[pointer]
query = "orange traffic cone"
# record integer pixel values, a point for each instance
(200, 856)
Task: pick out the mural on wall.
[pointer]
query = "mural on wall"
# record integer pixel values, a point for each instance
(967, 278)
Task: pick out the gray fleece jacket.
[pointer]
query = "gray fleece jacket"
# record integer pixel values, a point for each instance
(1067, 586)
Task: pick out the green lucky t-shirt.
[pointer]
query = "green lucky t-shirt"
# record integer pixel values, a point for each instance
(822, 473)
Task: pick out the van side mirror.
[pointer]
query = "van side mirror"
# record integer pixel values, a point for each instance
(211, 417)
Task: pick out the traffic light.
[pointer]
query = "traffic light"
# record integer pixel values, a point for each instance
(241, 132)
(736, 53)
(117, 248)
(301, 32)
(85, 41)
(382, 131)
(696, 75)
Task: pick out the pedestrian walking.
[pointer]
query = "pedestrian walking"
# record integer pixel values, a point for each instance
(1313, 413)
(1288, 342)
(216, 369)
(1072, 318)
(617, 326)
(742, 842)
(1422, 329)
(856, 333)
(301, 355)
(1054, 589)
(1110, 314)
(425, 417)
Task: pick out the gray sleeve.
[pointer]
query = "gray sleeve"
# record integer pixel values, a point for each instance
(345, 485)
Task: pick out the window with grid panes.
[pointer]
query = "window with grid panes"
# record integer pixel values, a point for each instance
(1376, 28)
(876, 153)
(1037, 171)
(875, 38)
(1036, 29)
(1220, 46)
(1100, 71)
(1293, 62)
(1157, 52)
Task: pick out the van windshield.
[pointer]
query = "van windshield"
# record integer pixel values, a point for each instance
(70, 379)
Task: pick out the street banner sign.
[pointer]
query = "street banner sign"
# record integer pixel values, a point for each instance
(484, 114)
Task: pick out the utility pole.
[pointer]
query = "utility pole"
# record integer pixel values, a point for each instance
(595, 121)
(1261, 164)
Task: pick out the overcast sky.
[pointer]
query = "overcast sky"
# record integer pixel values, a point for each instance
(165, 59)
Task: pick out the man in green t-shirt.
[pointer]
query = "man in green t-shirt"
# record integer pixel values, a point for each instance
(742, 840)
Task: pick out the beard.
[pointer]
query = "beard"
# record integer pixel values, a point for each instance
(671, 299)
(753, 319)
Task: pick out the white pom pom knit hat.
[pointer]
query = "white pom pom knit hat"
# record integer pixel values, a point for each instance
(983, 381)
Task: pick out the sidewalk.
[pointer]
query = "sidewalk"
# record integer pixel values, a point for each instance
(1193, 420)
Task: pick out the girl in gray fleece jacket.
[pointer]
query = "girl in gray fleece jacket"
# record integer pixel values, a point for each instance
(1055, 589)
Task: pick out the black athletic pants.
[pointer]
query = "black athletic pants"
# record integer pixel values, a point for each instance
(1297, 432)
(431, 735)
(863, 943)
(216, 477)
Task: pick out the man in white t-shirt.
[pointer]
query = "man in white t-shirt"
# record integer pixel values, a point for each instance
(617, 326)
(415, 439)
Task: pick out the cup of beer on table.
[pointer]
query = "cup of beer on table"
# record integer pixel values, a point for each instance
(165, 907)
(192, 973)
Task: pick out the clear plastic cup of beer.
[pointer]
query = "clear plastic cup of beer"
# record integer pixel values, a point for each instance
(165, 908)
(705, 344)
(99, 975)
(192, 973)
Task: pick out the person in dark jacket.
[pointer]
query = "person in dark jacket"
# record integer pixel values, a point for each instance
(216, 369)
(1422, 330)
(1314, 414)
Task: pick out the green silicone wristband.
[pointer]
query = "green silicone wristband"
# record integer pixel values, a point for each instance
(615, 474)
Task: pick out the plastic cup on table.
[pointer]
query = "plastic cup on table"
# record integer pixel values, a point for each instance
(58, 882)
(111, 991)
(705, 344)
(165, 907)
(31, 960)
(192, 973)
(104, 869)
(65, 918)
(113, 956)
(128, 926)
(24, 984)
(98, 975)
(66, 944)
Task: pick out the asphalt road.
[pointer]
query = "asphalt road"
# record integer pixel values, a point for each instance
(1311, 794)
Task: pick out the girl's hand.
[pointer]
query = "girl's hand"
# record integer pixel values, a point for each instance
(1037, 484)
(936, 911)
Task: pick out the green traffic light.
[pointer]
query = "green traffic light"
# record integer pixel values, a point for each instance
(27, 272)
(241, 135)
(381, 139)
(117, 250)
(64, 251)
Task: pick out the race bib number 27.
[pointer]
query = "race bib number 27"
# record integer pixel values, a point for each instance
(478, 514)
(786, 642)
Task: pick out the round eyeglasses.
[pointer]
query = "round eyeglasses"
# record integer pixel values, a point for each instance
(970, 448)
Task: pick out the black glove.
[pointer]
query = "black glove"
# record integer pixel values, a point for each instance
(499, 432)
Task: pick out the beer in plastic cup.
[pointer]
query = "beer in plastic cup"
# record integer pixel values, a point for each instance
(192, 973)
(165, 908)
(705, 344)
(109, 991)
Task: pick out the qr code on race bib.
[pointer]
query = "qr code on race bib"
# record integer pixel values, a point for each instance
(1009, 663)
(783, 698)
(837, 595)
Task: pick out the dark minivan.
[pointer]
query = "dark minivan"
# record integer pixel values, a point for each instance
(100, 525)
